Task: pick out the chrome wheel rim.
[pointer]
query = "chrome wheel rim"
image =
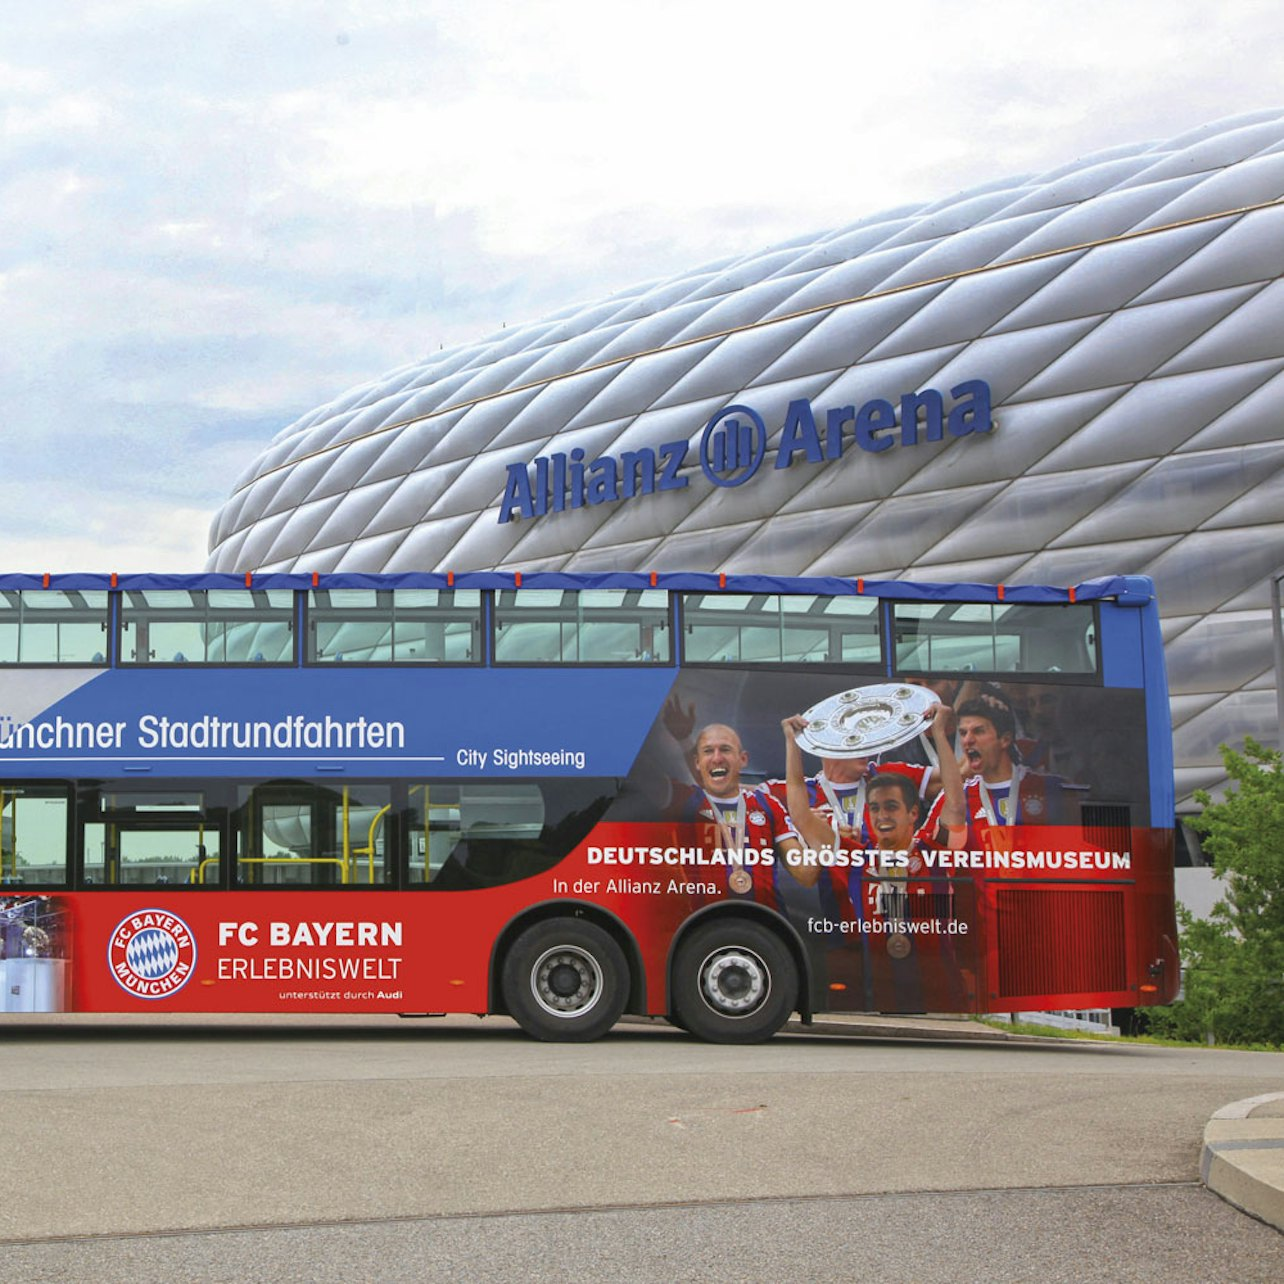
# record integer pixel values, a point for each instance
(566, 981)
(734, 981)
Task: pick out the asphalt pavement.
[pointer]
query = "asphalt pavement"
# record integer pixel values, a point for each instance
(1243, 1155)
(245, 1149)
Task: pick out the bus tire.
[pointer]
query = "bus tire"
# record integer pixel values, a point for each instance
(734, 981)
(565, 981)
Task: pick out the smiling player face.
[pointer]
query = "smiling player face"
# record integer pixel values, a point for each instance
(893, 822)
(719, 760)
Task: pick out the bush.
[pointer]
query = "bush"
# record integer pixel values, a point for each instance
(1234, 959)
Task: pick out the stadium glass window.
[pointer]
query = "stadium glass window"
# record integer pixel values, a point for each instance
(46, 627)
(978, 637)
(299, 834)
(465, 835)
(34, 835)
(759, 628)
(592, 626)
(394, 626)
(207, 626)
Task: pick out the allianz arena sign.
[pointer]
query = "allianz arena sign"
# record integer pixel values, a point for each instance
(733, 449)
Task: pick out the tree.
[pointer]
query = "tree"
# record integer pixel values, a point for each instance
(1234, 959)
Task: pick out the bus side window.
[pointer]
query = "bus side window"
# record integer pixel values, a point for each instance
(139, 837)
(298, 834)
(33, 835)
(588, 626)
(472, 835)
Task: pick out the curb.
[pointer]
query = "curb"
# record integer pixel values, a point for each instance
(931, 1028)
(1243, 1156)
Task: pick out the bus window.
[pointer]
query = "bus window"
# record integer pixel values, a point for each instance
(148, 837)
(207, 626)
(33, 835)
(982, 637)
(46, 626)
(394, 626)
(592, 626)
(726, 628)
(465, 835)
(296, 834)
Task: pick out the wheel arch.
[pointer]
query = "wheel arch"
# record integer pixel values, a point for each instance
(564, 908)
(763, 916)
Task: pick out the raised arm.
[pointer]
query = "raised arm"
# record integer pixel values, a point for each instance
(953, 815)
(814, 832)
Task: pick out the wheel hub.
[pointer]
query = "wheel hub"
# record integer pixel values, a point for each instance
(734, 981)
(566, 981)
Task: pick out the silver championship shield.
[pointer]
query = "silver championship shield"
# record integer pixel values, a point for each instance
(865, 720)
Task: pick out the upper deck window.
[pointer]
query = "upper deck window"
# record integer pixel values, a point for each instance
(45, 626)
(394, 626)
(592, 626)
(760, 628)
(207, 626)
(980, 637)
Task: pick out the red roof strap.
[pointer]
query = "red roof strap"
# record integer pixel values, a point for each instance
(450, 579)
(46, 579)
(114, 579)
(1071, 591)
(316, 579)
(722, 580)
(860, 585)
(655, 579)
(249, 575)
(1002, 592)
(517, 579)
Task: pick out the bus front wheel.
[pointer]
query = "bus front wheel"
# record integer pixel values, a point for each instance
(565, 980)
(734, 981)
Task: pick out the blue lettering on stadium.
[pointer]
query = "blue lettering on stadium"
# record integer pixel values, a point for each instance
(733, 448)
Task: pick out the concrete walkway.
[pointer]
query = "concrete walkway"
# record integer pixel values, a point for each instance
(1243, 1158)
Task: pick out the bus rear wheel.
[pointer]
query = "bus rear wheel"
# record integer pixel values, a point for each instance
(734, 981)
(565, 980)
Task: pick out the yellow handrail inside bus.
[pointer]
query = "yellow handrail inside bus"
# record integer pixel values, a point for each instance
(429, 808)
(198, 874)
(347, 837)
(368, 851)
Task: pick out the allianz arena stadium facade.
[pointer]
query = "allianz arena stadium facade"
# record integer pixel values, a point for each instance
(1038, 380)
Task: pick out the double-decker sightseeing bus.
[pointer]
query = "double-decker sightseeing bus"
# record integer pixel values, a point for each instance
(565, 797)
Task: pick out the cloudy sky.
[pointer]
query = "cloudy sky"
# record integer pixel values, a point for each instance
(216, 216)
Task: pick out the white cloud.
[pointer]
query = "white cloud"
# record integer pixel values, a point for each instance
(215, 216)
(84, 529)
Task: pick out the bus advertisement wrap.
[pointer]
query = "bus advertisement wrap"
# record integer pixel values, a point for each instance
(719, 840)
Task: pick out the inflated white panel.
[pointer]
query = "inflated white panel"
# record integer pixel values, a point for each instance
(1125, 310)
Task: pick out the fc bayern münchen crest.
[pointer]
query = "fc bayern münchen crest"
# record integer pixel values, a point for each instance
(152, 954)
(865, 720)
